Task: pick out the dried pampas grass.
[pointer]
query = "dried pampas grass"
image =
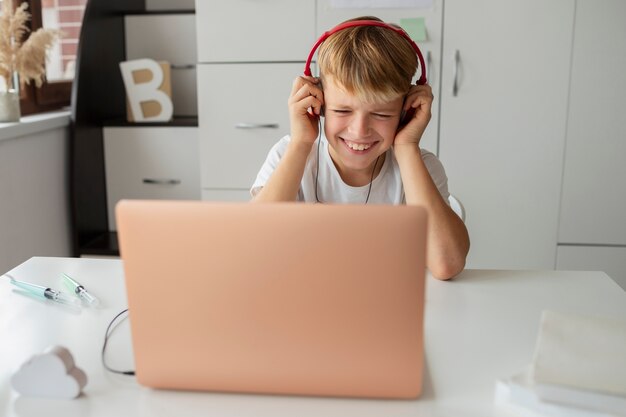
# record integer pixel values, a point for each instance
(27, 58)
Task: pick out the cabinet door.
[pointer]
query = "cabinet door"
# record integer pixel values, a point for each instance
(502, 133)
(254, 31)
(150, 163)
(34, 204)
(244, 113)
(593, 206)
(329, 16)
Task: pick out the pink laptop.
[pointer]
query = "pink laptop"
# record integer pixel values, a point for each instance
(284, 298)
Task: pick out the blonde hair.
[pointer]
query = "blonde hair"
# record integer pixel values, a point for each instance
(371, 62)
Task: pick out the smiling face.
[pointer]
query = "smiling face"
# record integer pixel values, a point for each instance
(358, 132)
(365, 71)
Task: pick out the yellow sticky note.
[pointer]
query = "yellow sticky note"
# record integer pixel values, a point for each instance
(415, 27)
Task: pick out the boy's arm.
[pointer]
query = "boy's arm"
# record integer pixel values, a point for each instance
(305, 104)
(447, 238)
(284, 183)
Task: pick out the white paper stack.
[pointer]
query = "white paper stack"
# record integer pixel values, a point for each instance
(579, 370)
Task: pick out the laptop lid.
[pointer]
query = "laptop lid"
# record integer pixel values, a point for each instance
(282, 298)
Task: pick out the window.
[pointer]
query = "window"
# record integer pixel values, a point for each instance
(67, 16)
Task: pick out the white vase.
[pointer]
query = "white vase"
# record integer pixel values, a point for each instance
(10, 100)
(9, 106)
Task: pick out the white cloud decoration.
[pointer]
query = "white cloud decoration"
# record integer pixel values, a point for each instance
(51, 374)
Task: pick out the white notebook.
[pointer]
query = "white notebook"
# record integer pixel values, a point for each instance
(516, 396)
(581, 361)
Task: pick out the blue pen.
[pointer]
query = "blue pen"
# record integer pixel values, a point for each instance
(77, 288)
(44, 292)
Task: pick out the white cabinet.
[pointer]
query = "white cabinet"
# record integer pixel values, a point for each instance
(593, 205)
(610, 259)
(254, 31)
(157, 162)
(592, 229)
(34, 206)
(502, 134)
(150, 163)
(249, 53)
(244, 113)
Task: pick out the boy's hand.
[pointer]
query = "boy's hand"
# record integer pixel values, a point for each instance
(418, 101)
(305, 105)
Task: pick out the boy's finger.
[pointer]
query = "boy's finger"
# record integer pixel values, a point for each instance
(302, 80)
(420, 98)
(310, 102)
(306, 91)
(306, 98)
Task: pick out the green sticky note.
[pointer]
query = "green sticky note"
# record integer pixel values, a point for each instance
(415, 27)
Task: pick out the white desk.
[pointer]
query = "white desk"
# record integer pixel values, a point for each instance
(479, 327)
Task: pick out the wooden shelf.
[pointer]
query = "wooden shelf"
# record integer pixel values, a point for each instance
(157, 12)
(99, 100)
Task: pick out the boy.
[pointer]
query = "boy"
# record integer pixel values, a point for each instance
(365, 155)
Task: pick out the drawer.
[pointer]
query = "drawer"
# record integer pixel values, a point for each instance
(150, 163)
(255, 31)
(234, 95)
(610, 259)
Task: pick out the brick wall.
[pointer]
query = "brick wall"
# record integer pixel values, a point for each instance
(66, 15)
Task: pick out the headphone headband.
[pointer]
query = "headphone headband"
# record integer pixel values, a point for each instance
(353, 23)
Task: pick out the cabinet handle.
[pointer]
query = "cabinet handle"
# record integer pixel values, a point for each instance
(182, 66)
(455, 85)
(161, 181)
(257, 126)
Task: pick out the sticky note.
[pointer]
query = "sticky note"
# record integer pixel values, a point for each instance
(415, 27)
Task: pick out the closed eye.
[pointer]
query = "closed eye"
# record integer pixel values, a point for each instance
(382, 115)
(341, 111)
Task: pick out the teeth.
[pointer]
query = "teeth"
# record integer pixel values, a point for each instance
(358, 146)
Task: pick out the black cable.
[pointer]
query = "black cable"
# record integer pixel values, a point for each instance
(317, 170)
(107, 334)
(371, 180)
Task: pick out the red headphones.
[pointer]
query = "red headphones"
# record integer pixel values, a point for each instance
(353, 23)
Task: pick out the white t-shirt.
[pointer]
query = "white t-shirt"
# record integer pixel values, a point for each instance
(385, 189)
